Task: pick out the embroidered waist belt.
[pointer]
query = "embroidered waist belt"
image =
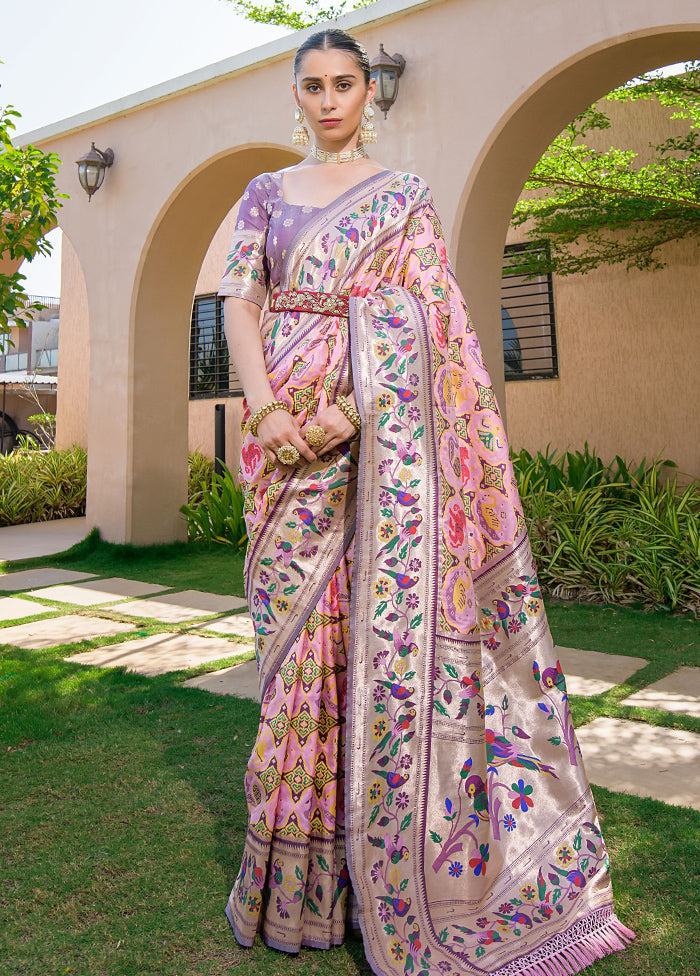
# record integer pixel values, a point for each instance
(311, 301)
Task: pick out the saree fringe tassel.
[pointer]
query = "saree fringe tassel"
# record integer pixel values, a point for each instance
(413, 700)
(555, 959)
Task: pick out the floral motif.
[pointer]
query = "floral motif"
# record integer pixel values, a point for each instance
(521, 795)
(375, 792)
(382, 586)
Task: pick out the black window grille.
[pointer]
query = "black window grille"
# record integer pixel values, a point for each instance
(527, 314)
(212, 374)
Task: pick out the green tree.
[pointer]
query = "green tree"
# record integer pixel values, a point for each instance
(597, 207)
(304, 13)
(29, 203)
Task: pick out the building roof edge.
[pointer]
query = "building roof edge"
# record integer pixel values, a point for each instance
(281, 47)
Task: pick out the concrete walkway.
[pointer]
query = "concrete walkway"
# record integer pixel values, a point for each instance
(623, 755)
(40, 538)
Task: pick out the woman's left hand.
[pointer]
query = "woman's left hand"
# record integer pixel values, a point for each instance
(336, 425)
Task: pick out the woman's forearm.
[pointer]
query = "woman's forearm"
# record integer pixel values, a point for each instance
(242, 328)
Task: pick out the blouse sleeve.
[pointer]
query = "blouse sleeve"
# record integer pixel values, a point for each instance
(246, 274)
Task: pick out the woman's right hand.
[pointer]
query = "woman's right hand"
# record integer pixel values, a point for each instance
(277, 429)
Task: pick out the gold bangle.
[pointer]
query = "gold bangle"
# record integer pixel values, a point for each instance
(349, 411)
(263, 412)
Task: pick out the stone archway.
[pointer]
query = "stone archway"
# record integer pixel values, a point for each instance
(516, 143)
(489, 83)
(171, 258)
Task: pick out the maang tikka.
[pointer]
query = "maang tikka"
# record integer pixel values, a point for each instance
(367, 131)
(300, 136)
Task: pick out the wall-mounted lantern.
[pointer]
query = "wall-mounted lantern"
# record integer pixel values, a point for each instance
(91, 169)
(387, 70)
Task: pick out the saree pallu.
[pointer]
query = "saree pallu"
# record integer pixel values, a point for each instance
(416, 752)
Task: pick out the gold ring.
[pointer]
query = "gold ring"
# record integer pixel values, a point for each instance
(315, 435)
(288, 454)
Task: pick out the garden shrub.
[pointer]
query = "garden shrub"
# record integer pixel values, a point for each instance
(36, 486)
(200, 469)
(216, 515)
(606, 534)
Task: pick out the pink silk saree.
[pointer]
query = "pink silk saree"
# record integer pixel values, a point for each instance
(416, 769)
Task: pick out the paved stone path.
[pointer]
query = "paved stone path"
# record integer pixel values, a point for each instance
(69, 629)
(621, 755)
(633, 757)
(27, 578)
(592, 673)
(175, 608)
(241, 680)
(161, 653)
(97, 592)
(13, 608)
(41, 538)
(677, 692)
(240, 625)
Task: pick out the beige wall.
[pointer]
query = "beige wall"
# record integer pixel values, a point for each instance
(73, 352)
(628, 367)
(628, 342)
(472, 128)
(20, 404)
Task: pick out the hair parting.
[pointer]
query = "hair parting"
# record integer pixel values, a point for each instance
(336, 39)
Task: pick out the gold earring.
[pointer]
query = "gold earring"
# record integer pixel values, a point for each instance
(300, 136)
(367, 131)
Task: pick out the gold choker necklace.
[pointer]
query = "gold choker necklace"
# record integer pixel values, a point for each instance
(348, 156)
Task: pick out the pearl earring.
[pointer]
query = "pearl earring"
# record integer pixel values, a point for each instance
(368, 133)
(300, 136)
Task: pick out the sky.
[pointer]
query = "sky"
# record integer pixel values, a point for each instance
(62, 58)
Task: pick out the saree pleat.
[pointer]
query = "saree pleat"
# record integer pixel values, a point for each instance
(416, 764)
(293, 881)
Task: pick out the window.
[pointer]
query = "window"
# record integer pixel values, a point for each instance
(527, 315)
(47, 359)
(14, 362)
(211, 373)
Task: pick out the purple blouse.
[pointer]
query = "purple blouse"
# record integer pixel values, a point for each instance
(266, 226)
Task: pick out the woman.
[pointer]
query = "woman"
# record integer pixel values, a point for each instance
(416, 771)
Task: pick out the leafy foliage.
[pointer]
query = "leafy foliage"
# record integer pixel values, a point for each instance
(29, 203)
(216, 514)
(305, 13)
(199, 474)
(36, 486)
(44, 427)
(604, 533)
(600, 207)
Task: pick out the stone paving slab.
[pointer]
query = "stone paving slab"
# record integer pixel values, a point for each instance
(592, 673)
(633, 757)
(12, 608)
(41, 577)
(677, 692)
(98, 592)
(159, 653)
(41, 538)
(239, 625)
(175, 608)
(240, 680)
(60, 630)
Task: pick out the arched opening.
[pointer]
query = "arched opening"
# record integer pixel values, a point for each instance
(516, 143)
(161, 303)
(29, 352)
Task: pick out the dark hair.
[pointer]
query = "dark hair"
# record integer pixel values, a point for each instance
(338, 39)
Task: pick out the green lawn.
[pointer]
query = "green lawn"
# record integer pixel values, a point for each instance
(122, 815)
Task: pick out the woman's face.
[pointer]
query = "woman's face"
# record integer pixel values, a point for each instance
(330, 87)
